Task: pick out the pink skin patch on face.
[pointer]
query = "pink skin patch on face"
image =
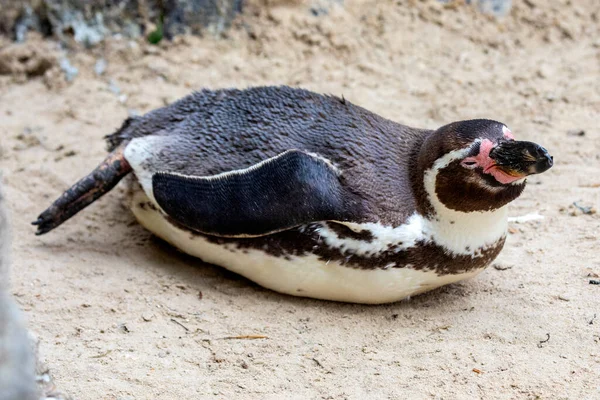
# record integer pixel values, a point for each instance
(483, 160)
(507, 133)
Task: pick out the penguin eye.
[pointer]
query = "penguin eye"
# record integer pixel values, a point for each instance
(469, 164)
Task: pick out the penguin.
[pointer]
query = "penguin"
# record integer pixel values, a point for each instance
(310, 195)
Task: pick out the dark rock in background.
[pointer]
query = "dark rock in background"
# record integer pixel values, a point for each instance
(193, 16)
(497, 8)
(17, 363)
(89, 22)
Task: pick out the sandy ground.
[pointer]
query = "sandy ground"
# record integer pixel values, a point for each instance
(121, 315)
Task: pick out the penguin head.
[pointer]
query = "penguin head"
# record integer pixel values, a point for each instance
(477, 165)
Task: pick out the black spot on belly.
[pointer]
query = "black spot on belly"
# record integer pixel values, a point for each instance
(145, 205)
(343, 232)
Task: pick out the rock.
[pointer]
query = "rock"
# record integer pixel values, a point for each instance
(113, 87)
(501, 266)
(195, 16)
(497, 8)
(579, 208)
(544, 71)
(17, 362)
(100, 66)
(89, 22)
(30, 137)
(28, 21)
(68, 69)
(147, 317)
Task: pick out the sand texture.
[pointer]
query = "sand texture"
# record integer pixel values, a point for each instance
(121, 315)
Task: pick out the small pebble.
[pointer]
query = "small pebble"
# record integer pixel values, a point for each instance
(68, 69)
(151, 49)
(563, 298)
(502, 266)
(132, 112)
(100, 66)
(113, 87)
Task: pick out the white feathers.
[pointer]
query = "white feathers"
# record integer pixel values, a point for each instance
(137, 152)
(384, 237)
(462, 233)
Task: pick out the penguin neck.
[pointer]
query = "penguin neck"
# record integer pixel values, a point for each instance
(465, 233)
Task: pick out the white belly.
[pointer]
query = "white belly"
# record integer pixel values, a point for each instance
(306, 276)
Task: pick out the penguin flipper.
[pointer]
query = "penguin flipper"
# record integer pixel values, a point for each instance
(288, 190)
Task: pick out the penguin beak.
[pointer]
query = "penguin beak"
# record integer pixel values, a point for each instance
(520, 158)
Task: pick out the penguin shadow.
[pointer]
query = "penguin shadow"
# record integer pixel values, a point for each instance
(200, 275)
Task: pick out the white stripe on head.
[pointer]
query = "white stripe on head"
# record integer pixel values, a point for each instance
(464, 233)
(507, 133)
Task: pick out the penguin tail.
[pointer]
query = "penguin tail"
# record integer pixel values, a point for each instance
(124, 134)
(87, 190)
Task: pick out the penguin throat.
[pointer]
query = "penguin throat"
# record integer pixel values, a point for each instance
(457, 231)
